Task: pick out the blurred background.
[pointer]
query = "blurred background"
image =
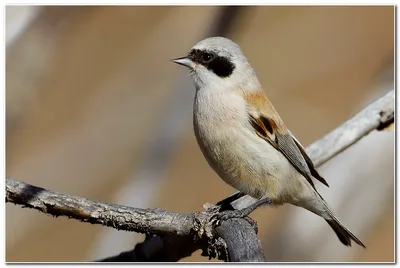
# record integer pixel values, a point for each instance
(95, 108)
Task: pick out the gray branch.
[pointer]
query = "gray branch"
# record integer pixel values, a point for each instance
(120, 217)
(179, 235)
(183, 233)
(376, 116)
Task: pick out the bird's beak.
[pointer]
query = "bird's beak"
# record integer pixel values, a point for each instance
(185, 61)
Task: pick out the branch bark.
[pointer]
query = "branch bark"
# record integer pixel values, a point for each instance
(155, 221)
(181, 234)
(379, 115)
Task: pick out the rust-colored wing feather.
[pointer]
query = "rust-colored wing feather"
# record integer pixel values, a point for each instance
(269, 126)
(287, 145)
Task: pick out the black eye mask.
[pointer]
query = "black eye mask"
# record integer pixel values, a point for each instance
(221, 66)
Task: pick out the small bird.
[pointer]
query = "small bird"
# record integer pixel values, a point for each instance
(243, 138)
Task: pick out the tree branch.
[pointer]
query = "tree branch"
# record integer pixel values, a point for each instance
(376, 116)
(182, 234)
(242, 243)
(158, 249)
(120, 217)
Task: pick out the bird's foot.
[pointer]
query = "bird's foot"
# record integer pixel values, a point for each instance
(231, 214)
(243, 213)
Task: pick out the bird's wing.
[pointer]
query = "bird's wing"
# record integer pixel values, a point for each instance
(275, 133)
(309, 162)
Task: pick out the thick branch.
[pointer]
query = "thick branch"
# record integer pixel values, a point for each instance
(158, 249)
(194, 227)
(120, 217)
(242, 242)
(186, 232)
(182, 233)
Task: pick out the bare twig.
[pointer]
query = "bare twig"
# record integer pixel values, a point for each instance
(194, 228)
(378, 115)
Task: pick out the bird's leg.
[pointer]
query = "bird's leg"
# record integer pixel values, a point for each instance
(224, 215)
(229, 214)
(225, 204)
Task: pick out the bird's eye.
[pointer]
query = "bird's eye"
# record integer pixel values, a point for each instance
(207, 56)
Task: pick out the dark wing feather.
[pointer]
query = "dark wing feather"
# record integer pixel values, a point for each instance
(310, 164)
(288, 146)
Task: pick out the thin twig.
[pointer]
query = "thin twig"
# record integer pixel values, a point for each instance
(376, 116)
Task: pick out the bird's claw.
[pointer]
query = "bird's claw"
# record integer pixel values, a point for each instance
(217, 219)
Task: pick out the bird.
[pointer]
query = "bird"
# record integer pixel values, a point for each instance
(243, 138)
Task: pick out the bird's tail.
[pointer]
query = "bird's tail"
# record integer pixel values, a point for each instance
(345, 235)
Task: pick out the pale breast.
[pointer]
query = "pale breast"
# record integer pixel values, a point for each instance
(234, 151)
